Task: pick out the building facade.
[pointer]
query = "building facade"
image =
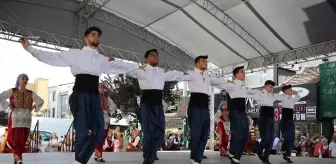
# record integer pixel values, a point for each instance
(58, 104)
(40, 87)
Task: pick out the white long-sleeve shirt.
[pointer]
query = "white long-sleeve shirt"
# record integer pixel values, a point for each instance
(199, 82)
(237, 89)
(265, 99)
(4, 104)
(154, 77)
(287, 101)
(85, 61)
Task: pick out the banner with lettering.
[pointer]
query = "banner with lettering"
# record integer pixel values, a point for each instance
(299, 112)
(308, 95)
(307, 92)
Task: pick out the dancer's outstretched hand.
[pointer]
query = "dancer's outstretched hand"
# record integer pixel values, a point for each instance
(142, 67)
(294, 92)
(90, 132)
(110, 58)
(25, 42)
(166, 70)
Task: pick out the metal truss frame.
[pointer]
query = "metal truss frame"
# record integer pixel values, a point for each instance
(299, 55)
(226, 20)
(11, 32)
(92, 9)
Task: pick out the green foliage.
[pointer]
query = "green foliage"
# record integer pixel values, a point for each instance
(124, 90)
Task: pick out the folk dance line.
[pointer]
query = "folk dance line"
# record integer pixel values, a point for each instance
(91, 109)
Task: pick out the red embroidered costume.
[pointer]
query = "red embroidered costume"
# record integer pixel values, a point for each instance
(223, 129)
(19, 121)
(249, 145)
(107, 105)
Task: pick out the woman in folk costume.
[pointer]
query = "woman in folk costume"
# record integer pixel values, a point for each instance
(109, 145)
(21, 104)
(249, 146)
(108, 106)
(223, 128)
(134, 144)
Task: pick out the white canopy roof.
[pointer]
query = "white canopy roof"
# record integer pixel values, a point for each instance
(254, 33)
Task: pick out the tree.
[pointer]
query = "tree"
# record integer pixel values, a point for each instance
(124, 90)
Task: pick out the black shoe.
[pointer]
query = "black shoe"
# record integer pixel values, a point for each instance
(287, 159)
(156, 158)
(99, 160)
(233, 162)
(266, 161)
(230, 158)
(261, 157)
(205, 157)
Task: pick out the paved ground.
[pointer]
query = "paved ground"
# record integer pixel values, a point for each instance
(165, 158)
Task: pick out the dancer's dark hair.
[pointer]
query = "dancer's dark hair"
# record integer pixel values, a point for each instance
(236, 70)
(269, 82)
(93, 28)
(198, 58)
(149, 51)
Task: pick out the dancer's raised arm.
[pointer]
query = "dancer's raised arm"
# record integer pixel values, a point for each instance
(59, 59)
(173, 75)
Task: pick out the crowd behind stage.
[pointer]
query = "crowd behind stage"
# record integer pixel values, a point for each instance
(118, 141)
(124, 141)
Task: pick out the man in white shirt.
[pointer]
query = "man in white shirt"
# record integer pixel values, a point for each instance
(86, 65)
(239, 125)
(266, 101)
(332, 147)
(287, 126)
(198, 110)
(151, 82)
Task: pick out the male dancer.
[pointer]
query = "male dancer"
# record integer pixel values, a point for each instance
(237, 115)
(266, 100)
(287, 126)
(198, 110)
(108, 106)
(86, 65)
(151, 82)
(21, 104)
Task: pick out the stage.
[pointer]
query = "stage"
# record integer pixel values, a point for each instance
(178, 157)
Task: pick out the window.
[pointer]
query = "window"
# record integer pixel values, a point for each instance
(45, 136)
(54, 96)
(53, 112)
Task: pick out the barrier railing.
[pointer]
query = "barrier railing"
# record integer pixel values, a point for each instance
(34, 140)
(68, 143)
